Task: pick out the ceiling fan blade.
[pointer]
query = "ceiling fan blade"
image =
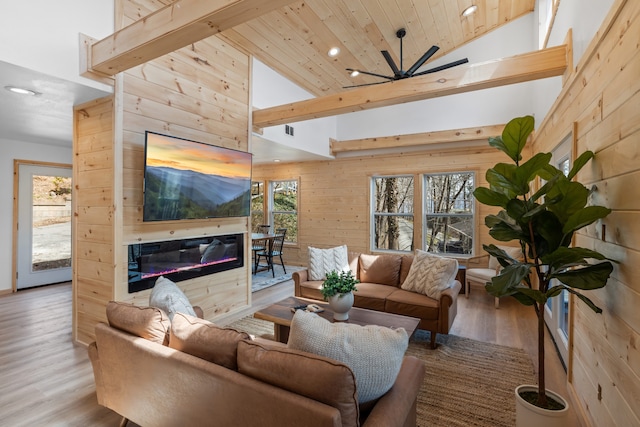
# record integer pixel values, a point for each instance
(443, 67)
(364, 84)
(424, 58)
(391, 62)
(370, 74)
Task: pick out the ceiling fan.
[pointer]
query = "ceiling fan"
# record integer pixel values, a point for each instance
(399, 73)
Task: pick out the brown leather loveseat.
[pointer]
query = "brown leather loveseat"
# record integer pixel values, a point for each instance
(379, 289)
(233, 380)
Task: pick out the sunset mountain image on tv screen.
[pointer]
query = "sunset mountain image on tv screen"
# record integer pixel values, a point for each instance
(186, 179)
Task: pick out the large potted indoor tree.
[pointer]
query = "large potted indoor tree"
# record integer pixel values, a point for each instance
(543, 223)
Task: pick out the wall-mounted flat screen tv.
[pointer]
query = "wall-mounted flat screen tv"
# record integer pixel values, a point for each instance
(186, 179)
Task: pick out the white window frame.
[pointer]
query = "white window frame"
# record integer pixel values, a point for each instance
(272, 212)
(426, 214)
(374, 214)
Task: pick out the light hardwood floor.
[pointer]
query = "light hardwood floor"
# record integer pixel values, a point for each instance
(47, 380)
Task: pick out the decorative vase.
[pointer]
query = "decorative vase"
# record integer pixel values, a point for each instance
(340, 305)
(528, 415)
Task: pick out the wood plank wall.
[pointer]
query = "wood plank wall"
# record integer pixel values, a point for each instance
(200, 92)
(603, 100)
(334, 196)
(93, 207)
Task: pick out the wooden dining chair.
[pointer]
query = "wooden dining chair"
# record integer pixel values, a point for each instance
(264, 229)
(276, 251)
(260, 245)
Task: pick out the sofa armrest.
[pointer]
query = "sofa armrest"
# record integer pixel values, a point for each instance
(299, 277)
(97, 371)
(476, 260)
(449, 306)
(397, 408)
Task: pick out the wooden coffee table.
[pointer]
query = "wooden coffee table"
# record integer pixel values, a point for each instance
(280, 314)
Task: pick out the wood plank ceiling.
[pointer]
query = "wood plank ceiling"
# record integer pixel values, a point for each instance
(294, 40)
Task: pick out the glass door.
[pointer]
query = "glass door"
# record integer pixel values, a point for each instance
(557, 309)
(44, 225)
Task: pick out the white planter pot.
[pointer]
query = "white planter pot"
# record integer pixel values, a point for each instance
(340, 305)
(528, 415)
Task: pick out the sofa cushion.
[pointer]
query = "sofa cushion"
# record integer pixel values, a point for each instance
(354, 260)
(408, 303)
(374, 353)
(323, 261)
(146, 322)
(318, 378)
(405, 266)
(372, 295)
(381, 269)
(430, 274)
(203, 339)
(168, 297)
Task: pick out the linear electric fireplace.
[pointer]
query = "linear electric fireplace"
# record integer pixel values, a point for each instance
(183, 259)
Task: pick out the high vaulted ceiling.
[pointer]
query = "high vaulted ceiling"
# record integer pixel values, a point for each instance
(294, 40)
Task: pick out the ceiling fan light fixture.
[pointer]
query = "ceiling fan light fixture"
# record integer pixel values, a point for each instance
(470, 10)
(354, 73)
(334, 51)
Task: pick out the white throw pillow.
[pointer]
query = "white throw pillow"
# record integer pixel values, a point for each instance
(323, 261)
(430, 274)
(168, 297)
(373, 353)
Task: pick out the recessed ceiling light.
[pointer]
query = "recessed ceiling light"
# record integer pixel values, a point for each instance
(276, 160)
(334, 51)
(21, 91)
(354, 73)
(470, 10)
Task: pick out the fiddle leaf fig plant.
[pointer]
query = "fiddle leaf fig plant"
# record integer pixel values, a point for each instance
(543, 223)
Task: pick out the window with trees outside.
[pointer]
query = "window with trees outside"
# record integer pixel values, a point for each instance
(392, 214)
(449, 213)
(284, 208)
(257, 204)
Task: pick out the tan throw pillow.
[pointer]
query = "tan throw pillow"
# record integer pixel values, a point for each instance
(430, 274)
(374, 353)
(380, 269)
(318, 378)
(168, 297)
(323, 261)
(203, 339)
(146, 322)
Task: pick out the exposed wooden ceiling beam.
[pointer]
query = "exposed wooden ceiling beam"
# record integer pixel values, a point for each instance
(171, 28)
(540, 64)
(417, 139)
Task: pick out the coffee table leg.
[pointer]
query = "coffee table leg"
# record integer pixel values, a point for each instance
(281, 333)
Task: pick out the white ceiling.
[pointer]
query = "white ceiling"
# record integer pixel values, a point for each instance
(266, 151)
(46, 118)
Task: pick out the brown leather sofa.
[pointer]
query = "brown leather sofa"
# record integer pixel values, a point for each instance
(152, 384)
(379, 289)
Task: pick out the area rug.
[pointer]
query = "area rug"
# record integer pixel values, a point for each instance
(265, 279)
(467, 382)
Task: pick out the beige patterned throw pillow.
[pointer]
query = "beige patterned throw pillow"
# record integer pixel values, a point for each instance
(374, 353)
(323, 261)
(430, 274)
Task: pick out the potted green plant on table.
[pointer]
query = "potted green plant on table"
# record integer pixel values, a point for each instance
(543, 223)
(338, 289)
